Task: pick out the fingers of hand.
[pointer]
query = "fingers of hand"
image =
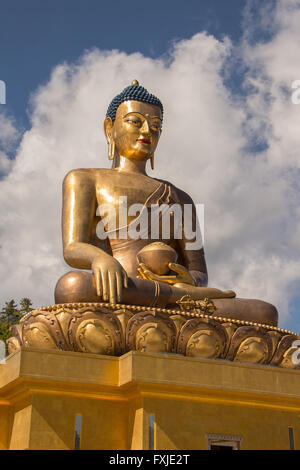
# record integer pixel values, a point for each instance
(125, 279)
(178, 268)
(119, 279)
(112, 287)
(147, 274)
(144, 272)
(141, 273)
(105, 284)
(143, 267)
(183, 273)
(97, 275)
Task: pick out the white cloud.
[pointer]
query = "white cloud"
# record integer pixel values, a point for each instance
(250, 199)
(8, 131)
(9, 135)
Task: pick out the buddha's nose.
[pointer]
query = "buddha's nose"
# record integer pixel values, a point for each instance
(145, 129)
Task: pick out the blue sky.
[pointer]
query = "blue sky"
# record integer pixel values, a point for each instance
(37, 35)
(227, 65)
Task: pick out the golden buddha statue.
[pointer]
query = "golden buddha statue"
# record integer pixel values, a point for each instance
(135, 270)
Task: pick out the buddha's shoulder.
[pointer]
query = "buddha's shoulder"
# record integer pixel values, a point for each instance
(86, 175)
(184, 197)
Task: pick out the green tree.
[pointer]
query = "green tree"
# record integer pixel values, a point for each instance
(8, 316)
(12, 314)
(5, 332)
(25, 305)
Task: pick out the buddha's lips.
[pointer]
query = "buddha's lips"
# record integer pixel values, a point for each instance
(145, 141)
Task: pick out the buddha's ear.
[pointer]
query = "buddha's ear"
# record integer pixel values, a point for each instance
(108, 128)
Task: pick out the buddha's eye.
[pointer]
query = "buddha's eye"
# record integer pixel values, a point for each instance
(155, 126)
(134, 121)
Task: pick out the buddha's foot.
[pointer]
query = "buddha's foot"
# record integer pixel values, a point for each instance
(253, 310)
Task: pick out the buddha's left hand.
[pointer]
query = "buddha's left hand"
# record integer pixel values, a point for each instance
(183, 275)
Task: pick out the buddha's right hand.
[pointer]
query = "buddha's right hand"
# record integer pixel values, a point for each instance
(110, 278)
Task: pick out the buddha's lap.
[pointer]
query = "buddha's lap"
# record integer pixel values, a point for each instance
(79, 286)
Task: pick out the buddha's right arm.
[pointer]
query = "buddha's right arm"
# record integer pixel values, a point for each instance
(78, 217)
(79, 208)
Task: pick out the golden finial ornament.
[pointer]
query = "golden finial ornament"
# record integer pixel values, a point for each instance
(135, 82)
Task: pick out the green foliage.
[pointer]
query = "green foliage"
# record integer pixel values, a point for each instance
(25, 305)
(11, 314)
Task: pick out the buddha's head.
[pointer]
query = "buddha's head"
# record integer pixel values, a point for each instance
(133, 124)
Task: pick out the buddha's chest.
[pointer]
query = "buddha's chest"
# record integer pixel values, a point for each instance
(121, 202)
(117, 195)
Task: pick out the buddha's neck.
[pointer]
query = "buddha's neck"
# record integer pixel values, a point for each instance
(128, 165)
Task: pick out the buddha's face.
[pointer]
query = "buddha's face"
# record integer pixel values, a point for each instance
(136, 129)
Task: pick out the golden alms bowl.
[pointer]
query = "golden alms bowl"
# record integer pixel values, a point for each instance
(157, 257)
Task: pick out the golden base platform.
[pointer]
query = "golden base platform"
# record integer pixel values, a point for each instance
(145, 400)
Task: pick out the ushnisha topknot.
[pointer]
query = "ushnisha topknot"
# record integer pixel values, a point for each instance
(133, 92)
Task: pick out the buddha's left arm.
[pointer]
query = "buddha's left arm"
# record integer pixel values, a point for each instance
(191, 249)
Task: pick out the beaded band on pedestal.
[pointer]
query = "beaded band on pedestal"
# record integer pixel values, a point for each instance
(138, 308)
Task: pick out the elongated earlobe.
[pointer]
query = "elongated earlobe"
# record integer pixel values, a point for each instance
(111, 150)
(152, 161)
(108, 125)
